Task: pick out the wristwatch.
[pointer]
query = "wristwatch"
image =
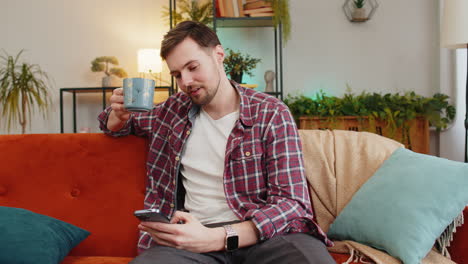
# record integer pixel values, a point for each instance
(232, 239)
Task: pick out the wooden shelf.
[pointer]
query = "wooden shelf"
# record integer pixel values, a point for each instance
(230, 22)
(104, 89)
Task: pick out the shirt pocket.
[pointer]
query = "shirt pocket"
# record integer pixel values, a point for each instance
(247, 168)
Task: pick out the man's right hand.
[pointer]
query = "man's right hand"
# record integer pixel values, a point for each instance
(119, 115)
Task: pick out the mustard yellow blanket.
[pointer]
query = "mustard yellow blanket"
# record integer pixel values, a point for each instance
(337, 163)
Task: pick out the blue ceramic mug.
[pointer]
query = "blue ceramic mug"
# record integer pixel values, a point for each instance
(138, 94)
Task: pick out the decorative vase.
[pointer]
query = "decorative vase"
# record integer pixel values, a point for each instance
(359, 14)
(237, 77)
(269, 78)
(111, 81)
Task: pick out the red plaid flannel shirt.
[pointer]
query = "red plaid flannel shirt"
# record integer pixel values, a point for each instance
(264, 179)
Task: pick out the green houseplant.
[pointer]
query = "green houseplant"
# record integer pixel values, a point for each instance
(237, 64)
(359, 12)
(281, 15)
(24, 88)
(396, 110)
(190, 10)
(104, 64)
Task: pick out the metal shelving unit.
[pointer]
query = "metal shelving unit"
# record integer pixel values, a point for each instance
(102, 90)
(245, 22)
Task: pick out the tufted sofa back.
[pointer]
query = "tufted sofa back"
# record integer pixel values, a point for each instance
(90, 180)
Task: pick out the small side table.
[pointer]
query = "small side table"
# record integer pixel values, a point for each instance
(102, 90)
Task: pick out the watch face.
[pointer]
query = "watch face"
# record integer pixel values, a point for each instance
(232, 243)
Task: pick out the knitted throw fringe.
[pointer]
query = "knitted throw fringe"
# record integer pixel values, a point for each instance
(357, 256)
(443, 242)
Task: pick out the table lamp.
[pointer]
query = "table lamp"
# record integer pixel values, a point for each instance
(454, 35)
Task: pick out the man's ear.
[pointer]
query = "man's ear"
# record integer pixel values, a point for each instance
(219, 53)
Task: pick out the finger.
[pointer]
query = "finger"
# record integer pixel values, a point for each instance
(180, 216)
(118, 107)
(118, 91)
(162, 242)
(168, 239)
(116, 99)
(155, 227)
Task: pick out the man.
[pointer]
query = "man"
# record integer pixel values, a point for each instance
(224, 161)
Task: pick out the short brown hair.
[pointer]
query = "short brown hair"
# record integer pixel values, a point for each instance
(200, 33)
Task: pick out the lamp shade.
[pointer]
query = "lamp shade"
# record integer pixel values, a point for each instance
(454, 33)
(149, 61)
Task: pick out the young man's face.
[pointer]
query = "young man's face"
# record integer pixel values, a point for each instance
(196, 69)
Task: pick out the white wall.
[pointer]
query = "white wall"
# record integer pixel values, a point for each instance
(452, 141)
(398, 50)
(63, 37)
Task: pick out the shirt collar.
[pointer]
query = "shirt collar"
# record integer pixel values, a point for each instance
(244, 108)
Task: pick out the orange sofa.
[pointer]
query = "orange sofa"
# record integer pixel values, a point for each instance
(94, 182)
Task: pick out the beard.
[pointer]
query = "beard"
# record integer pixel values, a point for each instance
(206, 97)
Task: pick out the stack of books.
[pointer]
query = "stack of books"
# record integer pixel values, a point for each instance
(258, 8)
(230, 8)
(242, 8)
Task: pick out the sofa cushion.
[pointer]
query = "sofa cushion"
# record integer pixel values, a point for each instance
(27, 237)
(405, 206)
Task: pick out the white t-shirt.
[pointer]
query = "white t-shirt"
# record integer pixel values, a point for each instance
(203, 168)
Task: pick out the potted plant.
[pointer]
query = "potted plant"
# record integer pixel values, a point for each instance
(101, 64)
(190, 10)
(359, 12)
(24, 88)
(404, 117)
(237, 64)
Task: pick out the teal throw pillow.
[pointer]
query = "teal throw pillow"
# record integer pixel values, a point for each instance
(405, 206)
(27, 237)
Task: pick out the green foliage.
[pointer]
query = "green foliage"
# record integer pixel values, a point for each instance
(101, 64)
(359, 3)
(396, 108)
(236, 63)
(281, 15)
(23, 89)
(190, 10)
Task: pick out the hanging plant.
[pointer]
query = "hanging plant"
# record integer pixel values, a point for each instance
(281, 15)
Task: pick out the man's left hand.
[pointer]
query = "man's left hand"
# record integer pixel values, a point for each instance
(191, 235)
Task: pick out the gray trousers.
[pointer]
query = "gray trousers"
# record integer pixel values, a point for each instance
(292, 248)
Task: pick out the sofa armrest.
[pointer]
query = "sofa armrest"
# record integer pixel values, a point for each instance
(459, 247)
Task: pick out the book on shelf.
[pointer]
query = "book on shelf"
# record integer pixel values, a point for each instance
(221, 10)
(265, 14)
(235, 8)
(240, 5)
(258, 10)
(256, 4)
(231, 8)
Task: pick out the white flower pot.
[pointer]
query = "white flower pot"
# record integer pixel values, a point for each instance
(111, 81)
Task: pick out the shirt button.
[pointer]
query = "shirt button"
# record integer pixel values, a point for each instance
(188, 132)
(177, 158)
(172, 205)
(247, 153)
(173, 182)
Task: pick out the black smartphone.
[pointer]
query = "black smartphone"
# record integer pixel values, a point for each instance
(151, 215)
